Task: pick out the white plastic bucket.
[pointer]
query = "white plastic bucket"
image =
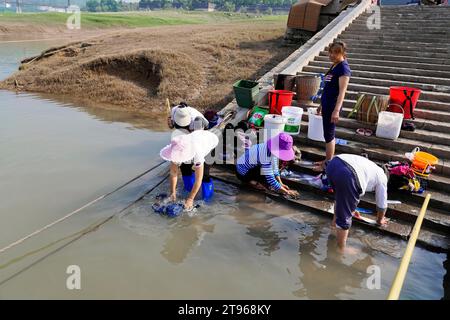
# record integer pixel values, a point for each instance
(389, 125)
(273, 125)
(315, 125)
(293, 116)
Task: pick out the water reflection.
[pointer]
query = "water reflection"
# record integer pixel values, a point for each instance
(185, 236)
(254, 215)
(320, 264)
(111, 114)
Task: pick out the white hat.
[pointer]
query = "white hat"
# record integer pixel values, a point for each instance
(182, 117)
(203, 143)
(179, 150)
(185, 147)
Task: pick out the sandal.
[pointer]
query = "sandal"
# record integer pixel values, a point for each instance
(364, 132)
(319, 166)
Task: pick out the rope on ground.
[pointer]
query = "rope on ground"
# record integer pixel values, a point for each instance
(21, 240)
(91, 228)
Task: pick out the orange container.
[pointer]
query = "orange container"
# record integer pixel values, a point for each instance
(422, 163)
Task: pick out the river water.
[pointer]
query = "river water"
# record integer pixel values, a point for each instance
(56, 156)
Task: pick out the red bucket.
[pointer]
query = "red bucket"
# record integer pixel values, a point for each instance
(279, 99)
(406, 98)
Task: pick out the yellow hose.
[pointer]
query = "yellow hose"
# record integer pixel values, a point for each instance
(403, 268)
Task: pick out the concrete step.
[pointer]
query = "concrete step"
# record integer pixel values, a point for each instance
(399, 52)
(320, 203)
(421, 105)
(405, 15)
(407, 65)
(407, 210)
(400, 144)
(425, 95)
(373, 67)
(437, 219)
(441, 200)
(390, 75)
(395, 44)
(411, 8)
(388, 83)
(420, 122)
(381, 153)
(409, 18)
(432, 125)
(425, 118)
(403, 24)
(374, 37)
(421, 135)
(407, 28)
(397, 48)
(394, 57)
(434, 220)
(424, 114)
(435, 181)
(366, 26)
(443, 33)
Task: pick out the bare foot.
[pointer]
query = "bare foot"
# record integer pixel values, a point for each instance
(351, 250)
(382, 222)
(348, 250)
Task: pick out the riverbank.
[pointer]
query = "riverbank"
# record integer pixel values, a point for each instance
(28, 26)
(137, 69)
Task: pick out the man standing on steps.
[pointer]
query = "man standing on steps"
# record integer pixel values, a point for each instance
(351, 176)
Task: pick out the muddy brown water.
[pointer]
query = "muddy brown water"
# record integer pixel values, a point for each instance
(56, 156)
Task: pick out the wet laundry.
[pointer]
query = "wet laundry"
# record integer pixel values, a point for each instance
(163, 206)
(402, 177)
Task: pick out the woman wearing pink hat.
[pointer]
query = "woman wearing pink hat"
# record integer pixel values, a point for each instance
(259, 164)
(188, 151)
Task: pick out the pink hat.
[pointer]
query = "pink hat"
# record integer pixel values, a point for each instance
(179, 150)
(281, 146)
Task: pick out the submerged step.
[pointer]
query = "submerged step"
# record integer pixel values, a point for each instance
(322, 205)
(407, 211)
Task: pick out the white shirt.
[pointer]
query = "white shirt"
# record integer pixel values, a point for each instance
(370, 176)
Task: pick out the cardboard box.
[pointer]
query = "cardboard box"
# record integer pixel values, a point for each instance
(305, 14)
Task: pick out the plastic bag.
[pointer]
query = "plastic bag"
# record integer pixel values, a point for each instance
(257, 116)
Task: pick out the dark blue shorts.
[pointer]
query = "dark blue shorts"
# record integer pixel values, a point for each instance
(346, 191)
(329, 128)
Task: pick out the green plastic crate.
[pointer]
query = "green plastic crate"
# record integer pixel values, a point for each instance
(246, 93)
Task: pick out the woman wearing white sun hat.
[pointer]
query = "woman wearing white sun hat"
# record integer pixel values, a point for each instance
(188, 151)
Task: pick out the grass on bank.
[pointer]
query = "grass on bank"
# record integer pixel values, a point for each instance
(137, 19)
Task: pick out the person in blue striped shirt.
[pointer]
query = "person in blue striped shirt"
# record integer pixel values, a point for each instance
(258, 166)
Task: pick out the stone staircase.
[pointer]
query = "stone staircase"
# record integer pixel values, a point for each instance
(412, 48)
